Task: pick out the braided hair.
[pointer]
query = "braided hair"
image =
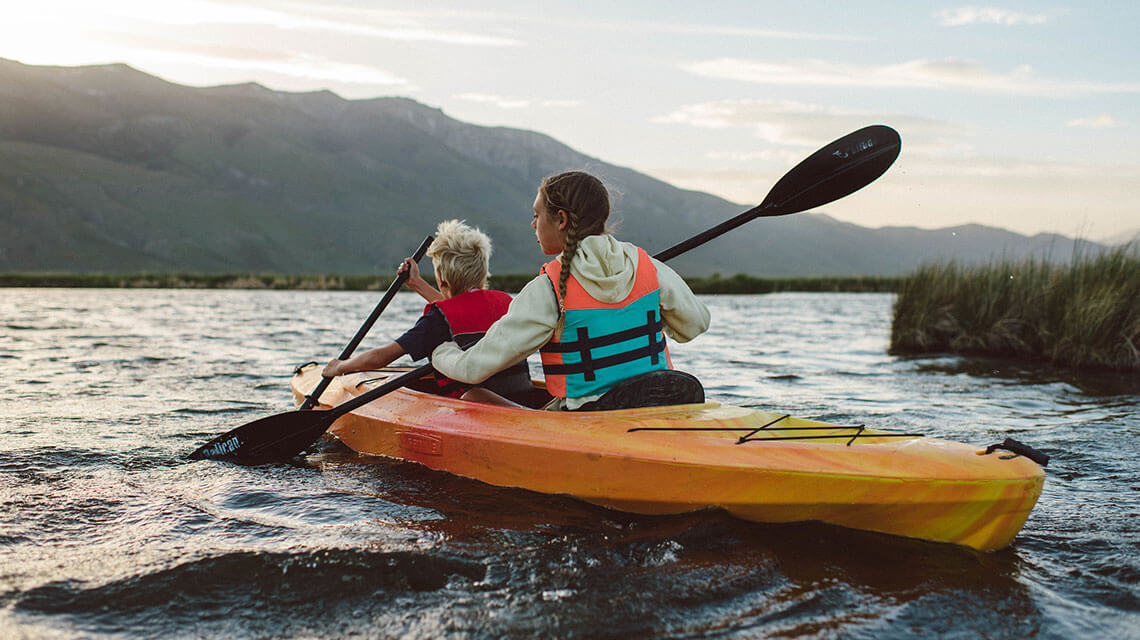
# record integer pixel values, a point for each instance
(587, 205)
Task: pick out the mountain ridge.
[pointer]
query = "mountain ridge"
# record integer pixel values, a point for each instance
(109, 169)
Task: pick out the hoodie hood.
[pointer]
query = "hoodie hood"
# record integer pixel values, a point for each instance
(605, 267)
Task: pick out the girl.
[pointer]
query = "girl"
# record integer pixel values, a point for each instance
(599, 313)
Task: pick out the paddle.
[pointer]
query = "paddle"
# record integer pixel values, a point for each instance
(256, 438)
(838, 169)
(287, 434)
(401, 278)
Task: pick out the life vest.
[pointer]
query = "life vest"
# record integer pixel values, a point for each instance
(603, 343)
(468, 316)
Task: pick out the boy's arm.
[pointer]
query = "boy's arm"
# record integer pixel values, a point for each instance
(372, 359)
(528, 325)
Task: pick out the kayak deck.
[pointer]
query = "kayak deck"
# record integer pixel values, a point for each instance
(759, 466)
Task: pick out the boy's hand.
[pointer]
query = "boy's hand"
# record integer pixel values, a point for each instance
(416, 283)
(410, 267)
(332, 369)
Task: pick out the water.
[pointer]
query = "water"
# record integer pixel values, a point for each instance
(106, 532)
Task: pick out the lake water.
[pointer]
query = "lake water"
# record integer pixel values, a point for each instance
(105, 531)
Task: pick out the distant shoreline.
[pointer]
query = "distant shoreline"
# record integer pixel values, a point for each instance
(716, 284)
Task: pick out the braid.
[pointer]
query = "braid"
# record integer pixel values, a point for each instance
(587, 205)
(569, 250)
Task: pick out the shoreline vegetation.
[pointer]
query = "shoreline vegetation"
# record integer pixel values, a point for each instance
(1083, 314)
(715, 284)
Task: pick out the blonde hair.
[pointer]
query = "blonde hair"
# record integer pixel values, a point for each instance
(587, 205)
(460, 255)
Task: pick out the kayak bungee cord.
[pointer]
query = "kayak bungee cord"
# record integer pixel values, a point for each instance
(752, 431)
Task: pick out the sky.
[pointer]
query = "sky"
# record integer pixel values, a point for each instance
(1020, 115)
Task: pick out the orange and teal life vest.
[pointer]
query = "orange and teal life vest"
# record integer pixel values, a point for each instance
(604, 343)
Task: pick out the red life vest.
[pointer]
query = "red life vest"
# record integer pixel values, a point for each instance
(468, 316)
(604, 343)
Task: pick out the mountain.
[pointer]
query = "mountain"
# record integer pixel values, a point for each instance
(108, 169)
(1127, 237)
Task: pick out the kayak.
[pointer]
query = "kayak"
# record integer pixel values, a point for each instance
(756, 465)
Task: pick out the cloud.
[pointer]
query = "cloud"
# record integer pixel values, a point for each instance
(306, 67)
(507, 102)
(948, 74)
(499, 101)
(403, 26)
(997, 167)
(176, 46)
(323, 69)
(961, 16)
(299, 17)
(737, 31)
(1103, 121)
(803, 125)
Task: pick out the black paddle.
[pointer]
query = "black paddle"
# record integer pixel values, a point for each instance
(837, 170)
(285, 435)
(401, 278)
(230, 444)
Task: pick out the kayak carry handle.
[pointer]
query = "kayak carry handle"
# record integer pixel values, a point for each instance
(1020, 449)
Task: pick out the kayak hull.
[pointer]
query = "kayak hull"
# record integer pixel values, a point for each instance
(665, 460)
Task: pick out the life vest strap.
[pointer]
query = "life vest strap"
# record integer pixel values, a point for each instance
(650, 328)
(589, 366)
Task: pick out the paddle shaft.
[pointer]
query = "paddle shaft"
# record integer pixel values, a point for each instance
(401, 278)
(372, 394)
(721, 229)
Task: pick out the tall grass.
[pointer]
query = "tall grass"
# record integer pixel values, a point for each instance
(1083, 314)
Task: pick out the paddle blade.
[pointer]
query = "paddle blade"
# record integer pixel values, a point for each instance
(835, 171)
(277, 437)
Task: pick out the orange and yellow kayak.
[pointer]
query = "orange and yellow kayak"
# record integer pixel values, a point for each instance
(757, 465)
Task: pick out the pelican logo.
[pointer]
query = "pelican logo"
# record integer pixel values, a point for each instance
(854, 150)
(420, 443)
(224, 447)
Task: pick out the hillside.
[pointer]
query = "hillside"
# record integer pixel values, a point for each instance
(108, 169)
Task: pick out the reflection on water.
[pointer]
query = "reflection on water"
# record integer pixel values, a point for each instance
(106, 531)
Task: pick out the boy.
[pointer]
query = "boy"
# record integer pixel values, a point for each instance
(461, 311)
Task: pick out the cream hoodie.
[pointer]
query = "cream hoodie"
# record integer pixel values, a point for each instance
(606, 269)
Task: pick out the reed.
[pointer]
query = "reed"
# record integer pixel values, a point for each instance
(1083, 314)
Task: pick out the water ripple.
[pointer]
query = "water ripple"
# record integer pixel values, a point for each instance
(106, 531)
